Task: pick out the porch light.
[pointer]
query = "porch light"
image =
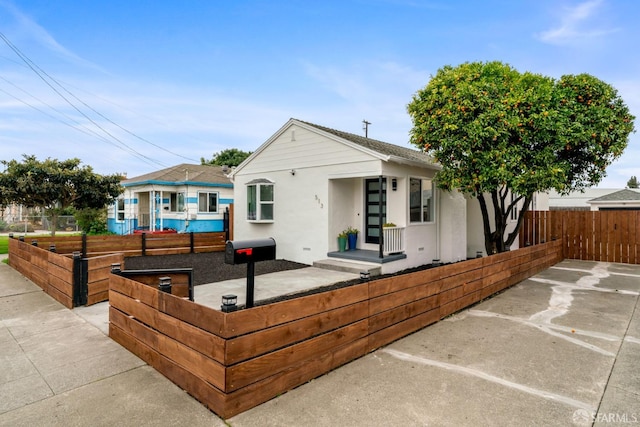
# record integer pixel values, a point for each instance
(115, 268)
(34, 243)
(479, 254)
(165, 284)
(435, 262)
(52, 247)
(229, 303)
(394, 184)
(365, 276)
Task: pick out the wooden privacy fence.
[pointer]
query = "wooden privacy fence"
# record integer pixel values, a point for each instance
(135, 244)
(70, 280)
(610, 236)
(234, 361)
(77, 273)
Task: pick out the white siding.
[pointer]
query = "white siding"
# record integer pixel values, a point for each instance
(299, 148)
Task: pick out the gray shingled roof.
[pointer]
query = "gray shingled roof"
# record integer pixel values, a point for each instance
(378, 146)
(197, 173)
(618, 196)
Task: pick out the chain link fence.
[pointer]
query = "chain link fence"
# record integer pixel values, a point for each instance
(30, 224)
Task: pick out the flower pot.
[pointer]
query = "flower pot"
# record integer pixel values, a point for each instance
(342, 244)
(353, 238)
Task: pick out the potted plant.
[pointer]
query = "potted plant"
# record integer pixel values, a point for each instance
(388, 225)
(352, 235)
(342, 241)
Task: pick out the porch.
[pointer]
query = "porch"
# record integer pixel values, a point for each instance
(366, 255)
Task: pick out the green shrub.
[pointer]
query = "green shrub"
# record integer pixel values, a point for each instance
(18, 227)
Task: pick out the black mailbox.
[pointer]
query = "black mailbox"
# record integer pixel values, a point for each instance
(245, 251)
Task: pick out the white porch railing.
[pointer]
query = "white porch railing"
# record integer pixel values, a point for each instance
(393, 240)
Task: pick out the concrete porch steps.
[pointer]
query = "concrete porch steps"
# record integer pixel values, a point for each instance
(349, 266)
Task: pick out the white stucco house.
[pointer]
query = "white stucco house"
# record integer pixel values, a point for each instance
(181, 198)
(307, 183)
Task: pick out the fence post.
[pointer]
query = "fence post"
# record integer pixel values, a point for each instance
(84, 245)
(192, 242)
(143, 236)
(80, 278)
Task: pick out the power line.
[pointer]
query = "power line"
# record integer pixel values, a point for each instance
(40, 72)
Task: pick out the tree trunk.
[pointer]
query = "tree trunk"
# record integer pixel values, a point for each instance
(494, 240)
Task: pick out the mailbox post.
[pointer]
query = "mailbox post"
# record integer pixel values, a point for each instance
(249, 252)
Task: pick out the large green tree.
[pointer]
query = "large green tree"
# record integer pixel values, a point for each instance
(501, 136)
(228, 157)
(54, 185)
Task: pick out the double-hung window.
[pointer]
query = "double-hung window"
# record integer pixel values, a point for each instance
(120, 209)
(421, 200)
(514, 209)
(207, 202)
(176, 202)
(260, 200)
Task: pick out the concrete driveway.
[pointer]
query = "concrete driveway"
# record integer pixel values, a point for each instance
(562, 348)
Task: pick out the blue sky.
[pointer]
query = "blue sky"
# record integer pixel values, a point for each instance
(136, 86)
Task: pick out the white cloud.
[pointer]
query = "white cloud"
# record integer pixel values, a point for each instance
(577, 25)
(32, 30)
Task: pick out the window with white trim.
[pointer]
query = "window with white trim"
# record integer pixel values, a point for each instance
(421, 200)
(176, 202)
(207, 202)
(120, 209)
(514, 209)
(260, 201)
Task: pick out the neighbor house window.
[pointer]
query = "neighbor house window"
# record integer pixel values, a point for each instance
(260, 201)
(176, 202)
(208, 202)
(421, 202)
(514, 209)
(120, 210)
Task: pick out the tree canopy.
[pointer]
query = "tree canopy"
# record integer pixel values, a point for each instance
(229, 157)
(503, 135)
(55, 185)
(633, 182)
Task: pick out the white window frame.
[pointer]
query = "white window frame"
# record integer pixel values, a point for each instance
(261, 211)
(513, 216)
(175, 204)
(119, 213)
(431, 209)
(208, 193)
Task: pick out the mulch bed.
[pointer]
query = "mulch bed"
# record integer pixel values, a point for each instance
(211, 268)
(207, 267)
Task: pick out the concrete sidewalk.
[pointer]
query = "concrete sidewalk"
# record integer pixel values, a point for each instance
(562, 348)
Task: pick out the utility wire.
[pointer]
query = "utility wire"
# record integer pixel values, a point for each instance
(80, 127)
(39, 72)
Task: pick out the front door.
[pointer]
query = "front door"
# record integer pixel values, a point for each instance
(375, 211)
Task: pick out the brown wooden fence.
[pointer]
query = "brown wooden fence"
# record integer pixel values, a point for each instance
(83, 278)
(55, 274)
(234, 361)
(610, 236)
(134, 244)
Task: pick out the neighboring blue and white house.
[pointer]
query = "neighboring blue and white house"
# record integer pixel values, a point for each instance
(184, 198)
(307, 183)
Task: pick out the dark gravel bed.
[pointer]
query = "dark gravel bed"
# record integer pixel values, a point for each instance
(207, 267)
